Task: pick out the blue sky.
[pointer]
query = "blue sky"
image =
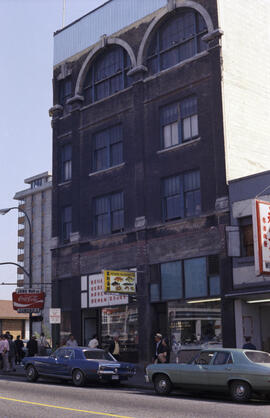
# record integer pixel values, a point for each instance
(26, 34)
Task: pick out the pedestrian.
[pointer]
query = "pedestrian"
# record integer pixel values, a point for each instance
(158, 347)
(93, 343)
(19, 349)
(248, 344)
(32, 346)
(12, 353)
(114, 347)
(5, 352)
(164, 355)
(71, 342)
(42, 345)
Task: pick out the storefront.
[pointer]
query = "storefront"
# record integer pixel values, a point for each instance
(109, 314)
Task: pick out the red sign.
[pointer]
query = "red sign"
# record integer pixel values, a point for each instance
(261, 232)
(28, 300)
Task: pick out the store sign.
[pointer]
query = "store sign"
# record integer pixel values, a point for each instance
(28, 310)
(55, 316)
(261, 234)
(120, 281)
(28, 300)
(97, 297)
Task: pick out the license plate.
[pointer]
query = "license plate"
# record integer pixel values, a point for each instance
(115, 377)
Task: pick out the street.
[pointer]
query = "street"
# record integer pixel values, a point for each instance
(21, 399)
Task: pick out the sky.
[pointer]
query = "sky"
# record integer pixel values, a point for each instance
(26, 38)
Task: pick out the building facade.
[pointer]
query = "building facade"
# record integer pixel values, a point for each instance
(250, 292)
(36, 201)
(141, 160)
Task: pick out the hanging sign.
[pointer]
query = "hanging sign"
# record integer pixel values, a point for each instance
(261, 236)
(120, 281)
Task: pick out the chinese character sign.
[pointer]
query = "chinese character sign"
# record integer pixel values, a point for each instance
(261, 232)
(120, 281)
(97, 297)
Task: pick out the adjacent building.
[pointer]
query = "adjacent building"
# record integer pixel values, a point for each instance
(157, 105)
(12, 321)
(36, 201)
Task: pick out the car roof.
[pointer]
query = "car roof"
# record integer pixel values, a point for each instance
(236, 350)
(80, 348)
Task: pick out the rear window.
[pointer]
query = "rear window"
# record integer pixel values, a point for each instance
(258, 357)
(97, 355)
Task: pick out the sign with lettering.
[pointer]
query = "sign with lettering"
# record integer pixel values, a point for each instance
(97, 297)
(120, 281)
(261, 234)
(28, 300)
(55, 316)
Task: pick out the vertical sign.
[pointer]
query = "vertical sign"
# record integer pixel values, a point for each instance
(261, 234)
(97, 297)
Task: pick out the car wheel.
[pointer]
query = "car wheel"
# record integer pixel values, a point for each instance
(240, 391)
(162, 384)
(31, 373)
(78, 377)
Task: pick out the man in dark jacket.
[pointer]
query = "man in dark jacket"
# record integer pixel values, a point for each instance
(19, 349)
(248, 344)
(158, 347)
(32, 346)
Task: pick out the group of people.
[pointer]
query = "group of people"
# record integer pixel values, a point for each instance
(11, 352)
(162, 349)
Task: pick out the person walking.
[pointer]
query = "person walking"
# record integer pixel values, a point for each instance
(114, 347)
(248, 344)
(12, 353)
(158, 347)
(5, 353)
(71, 342)
(32, 346)
(164, 355)
(19, 349)
(93, 343)
(42, 345)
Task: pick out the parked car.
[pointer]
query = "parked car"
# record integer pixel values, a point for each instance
(78, 364)
(235, 371)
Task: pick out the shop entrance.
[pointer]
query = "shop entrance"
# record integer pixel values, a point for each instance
(265, 326)
(89, 325)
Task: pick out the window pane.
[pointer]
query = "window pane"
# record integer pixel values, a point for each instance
(194, 126)
(116, 84)
(67, 171)
(171, 186)
(186, 129)
(191, 180)
(175, 135)
(173, 207)
(188, 107)
(101, 159)
(171, 280)
(117, 201)
(192, 203)
(116, 154)
(167, 136)
(154, 292)
(169, 114)
(169, 58)
(117, 220)
(214, 284)
(102, 205)
(102, 224)
(187, 50)
(195, 277)
(102, 90)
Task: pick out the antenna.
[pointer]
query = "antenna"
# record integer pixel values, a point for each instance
(64, 13)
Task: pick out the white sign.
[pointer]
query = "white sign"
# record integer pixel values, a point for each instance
(97, 297)
(261, 236)
(55, 316)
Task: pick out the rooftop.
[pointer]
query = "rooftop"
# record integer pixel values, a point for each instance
(7, 311)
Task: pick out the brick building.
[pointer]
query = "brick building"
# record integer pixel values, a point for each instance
(141, 160)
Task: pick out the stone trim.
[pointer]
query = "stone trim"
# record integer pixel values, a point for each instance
(217, 33)
(94, 173)
(179, 146)
(56, 110)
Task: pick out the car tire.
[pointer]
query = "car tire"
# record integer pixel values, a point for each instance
(240, 391)
(31, 373)
(162, 385)
(78, 377)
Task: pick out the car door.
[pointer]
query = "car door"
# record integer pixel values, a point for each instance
(50, 365)
(194, 374)
(220, 369)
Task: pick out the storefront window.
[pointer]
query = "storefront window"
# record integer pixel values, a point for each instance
(195, 277)
(171, 280)
(193, 326)
(122, 320)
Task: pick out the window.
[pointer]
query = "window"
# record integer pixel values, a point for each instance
(222, 357)
(181, 196)
(109, 214)
(195, 277)
(178, 39)
(205, 357)
(66, 162)
(179, 122)
(66, 223)
(246, 234)
(65, 90)
(171, 280)
(108, 148)
(36, 183)
(107, 75)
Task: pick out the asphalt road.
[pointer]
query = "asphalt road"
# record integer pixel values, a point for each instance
(20, 399)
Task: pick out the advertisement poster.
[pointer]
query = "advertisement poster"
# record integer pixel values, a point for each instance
(261, 233)
(120, 281)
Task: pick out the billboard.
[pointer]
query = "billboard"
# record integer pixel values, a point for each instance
(261, 234)
(97, 296)
(28, 301)
(120, 281)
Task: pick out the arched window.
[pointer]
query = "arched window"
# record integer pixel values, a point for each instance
(177, 39)
(107, 74)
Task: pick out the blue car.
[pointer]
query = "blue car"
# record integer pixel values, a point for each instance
(79, 364)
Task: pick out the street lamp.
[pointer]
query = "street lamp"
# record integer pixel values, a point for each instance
(29, 273)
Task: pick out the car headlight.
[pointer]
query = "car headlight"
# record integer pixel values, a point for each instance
(116, 370)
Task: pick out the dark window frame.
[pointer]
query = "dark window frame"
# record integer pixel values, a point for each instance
(109, 213)
(108, 143)
(65, 90)
(66, 223)
(246, 236)
(95, 79)
(156, 52)
(66, 162)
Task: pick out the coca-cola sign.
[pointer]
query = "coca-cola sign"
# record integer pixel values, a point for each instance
(28, 300)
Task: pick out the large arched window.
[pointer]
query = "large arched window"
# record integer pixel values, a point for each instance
(177, 39)
(107, 74)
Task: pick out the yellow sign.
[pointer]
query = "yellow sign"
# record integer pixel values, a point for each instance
(120, 281)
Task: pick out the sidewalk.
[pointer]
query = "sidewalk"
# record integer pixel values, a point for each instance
(137, 381)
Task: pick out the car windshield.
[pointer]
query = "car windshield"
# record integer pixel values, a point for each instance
(258, 357)
(98, 355)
